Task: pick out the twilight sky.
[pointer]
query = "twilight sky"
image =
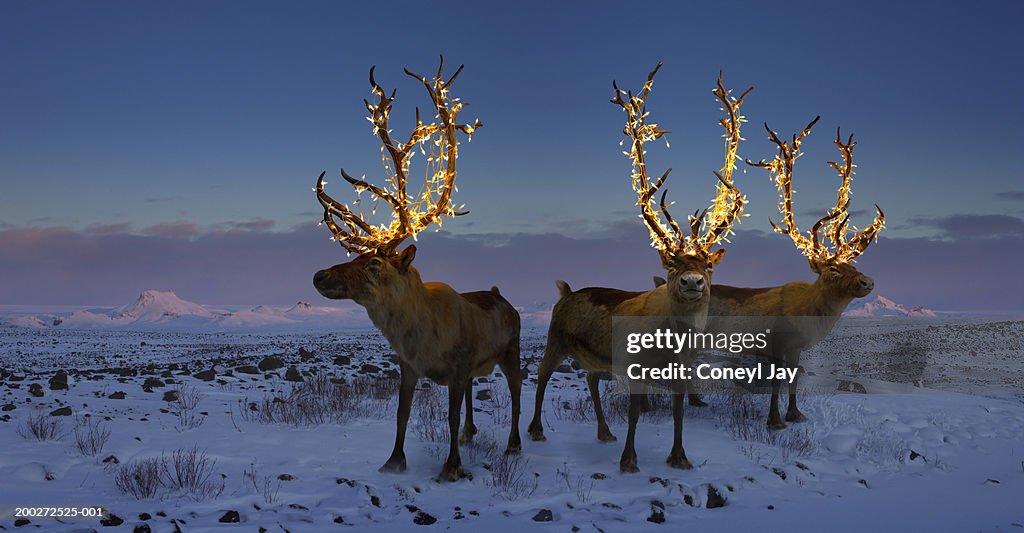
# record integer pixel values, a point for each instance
(147, 145)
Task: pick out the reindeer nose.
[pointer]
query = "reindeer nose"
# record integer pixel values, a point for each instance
(692, 282)
(320, 277)
(867, 283)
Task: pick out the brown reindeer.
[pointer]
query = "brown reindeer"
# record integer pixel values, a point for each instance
(581, 322)
(438, 333)
(805, 311)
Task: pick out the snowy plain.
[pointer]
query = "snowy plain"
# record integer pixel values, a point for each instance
(287, 448)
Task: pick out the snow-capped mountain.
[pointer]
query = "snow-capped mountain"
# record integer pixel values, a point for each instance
(164, 310)
(881, 306)
(156, 306)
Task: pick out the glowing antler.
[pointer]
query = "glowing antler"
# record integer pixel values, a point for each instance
(667, 237)
(835, 224)
(433, 203)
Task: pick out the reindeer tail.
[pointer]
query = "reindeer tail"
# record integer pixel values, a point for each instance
(563, 289)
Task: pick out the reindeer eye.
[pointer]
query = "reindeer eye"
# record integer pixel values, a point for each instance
(834, 270)
(374, 264)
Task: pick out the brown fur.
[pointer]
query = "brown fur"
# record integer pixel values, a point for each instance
(436, 332)
(837, 285)
(581, 327)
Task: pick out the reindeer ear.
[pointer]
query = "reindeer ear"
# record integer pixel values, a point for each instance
(659, 281)
(405, 258)
(716, 257)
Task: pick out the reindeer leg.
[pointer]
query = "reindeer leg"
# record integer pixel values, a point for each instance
(396, 463)
(628, 461)
(677, 457)
(515, 385)
(452, 469)
(469, 429)
(593, 383)
(792, 413)
(774, 419)
(552, 356)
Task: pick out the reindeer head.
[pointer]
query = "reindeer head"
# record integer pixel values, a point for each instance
(687, 258)
(370, 278)
(833, 264)
(380, 268)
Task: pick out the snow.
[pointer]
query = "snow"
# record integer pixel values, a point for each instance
(900, 457)
(156, 310)
(881, 306)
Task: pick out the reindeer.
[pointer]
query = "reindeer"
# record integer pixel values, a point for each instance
(581, 322)
(806, 311)
(446, 336)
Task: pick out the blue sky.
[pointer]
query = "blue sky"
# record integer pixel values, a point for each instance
(174, 120)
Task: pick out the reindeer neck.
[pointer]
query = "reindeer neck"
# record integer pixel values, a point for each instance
(824, 302)
(400, 312)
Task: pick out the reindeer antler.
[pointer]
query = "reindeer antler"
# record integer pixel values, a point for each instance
(669, 239)
(835, 224)
(433, 203)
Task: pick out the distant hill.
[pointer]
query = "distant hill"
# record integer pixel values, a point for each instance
(164, 310)
(881, 306)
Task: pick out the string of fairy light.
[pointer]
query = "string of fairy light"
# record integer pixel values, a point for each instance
(834, 226)
(714, 224)
(436, 141)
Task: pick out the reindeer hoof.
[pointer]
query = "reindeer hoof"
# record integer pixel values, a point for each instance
(679, 460)
(536, 432)
(393, 466)
(606, 436)
(794, 415)
(452, 473)
(627, 465)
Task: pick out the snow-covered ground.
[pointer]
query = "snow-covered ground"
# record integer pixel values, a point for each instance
(910, 453)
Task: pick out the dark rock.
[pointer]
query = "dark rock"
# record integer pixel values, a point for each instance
(657, 516)
(564, 369)
(342, 360)
(112, 459)
(305, 354)
(339, 520)
(247, 369)
(21, 522)
(598, 475)
(423, 519)
(483, 395)
(111, 521)
(298, 507)
(293, 374)
(544, 515)
(205, 375)
(36, 390)
(850, 386)
(171, 396)
(375, 500)
(59, 381)
(230, 517)
(142, 528)
(286, 477)
(715, 498)
(8, 407)
(144, 516)
(270, 363)
(152, 383)
(119, 395)
(63, 411)
(369, 368)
